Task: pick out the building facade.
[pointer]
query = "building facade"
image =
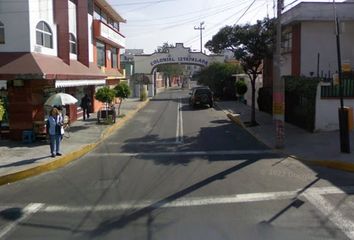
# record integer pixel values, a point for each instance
(309, 41)
(50, 46)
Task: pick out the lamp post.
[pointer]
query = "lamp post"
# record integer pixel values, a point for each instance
(278, 86)
(200, 28)
(342, 112)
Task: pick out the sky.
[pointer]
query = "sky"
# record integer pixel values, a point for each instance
(150, 23)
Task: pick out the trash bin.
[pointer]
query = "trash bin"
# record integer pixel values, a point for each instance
(350, 117)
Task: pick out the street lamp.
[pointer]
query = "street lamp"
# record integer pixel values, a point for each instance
(342, 112)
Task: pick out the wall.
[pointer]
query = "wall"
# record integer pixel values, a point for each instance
(248, 94)
(326, 118)
(14, 15)
(319, 37)
(42, 10)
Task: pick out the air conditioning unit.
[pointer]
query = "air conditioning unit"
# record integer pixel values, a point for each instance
(38, 49)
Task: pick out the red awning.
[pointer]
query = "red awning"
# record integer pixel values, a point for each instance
(39, 66)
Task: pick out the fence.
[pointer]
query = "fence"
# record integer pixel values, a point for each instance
(332, 91)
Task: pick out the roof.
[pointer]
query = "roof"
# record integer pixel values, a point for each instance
(318, 11)
(40, 66)
(110, 10)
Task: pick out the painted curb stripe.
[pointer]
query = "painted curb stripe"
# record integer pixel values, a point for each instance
(333, 164)
(69, 157)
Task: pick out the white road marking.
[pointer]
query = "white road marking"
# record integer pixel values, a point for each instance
(330, 211)
(143, 143)
(179, 127)
(194, 153)
(27, 212)
(313, 195)
(200, 201)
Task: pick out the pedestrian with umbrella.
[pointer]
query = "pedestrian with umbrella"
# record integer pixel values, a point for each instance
(55, 120)
(54, 131)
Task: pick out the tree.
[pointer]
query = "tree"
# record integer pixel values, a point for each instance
(250, 44)
(218, 76)
(106, 96)
(122, 91)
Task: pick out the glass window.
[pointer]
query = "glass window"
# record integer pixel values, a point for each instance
(116, 26)
(73, 45)
(97, 13)
(104, 17)
(114, 57)
(2, 33)
(101, 54)
(44, 35)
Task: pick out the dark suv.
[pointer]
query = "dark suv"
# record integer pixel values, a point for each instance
(201, 96)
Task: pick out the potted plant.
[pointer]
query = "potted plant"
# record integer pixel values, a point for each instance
(122, 91)
(241, 89)
(106, 96)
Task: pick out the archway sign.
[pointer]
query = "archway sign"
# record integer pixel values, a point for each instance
(147, 63)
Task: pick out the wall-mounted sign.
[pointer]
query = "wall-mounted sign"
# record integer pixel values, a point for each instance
(188, 60)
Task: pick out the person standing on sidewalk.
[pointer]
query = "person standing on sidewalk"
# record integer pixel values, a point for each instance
(54, 132)
(85, 105)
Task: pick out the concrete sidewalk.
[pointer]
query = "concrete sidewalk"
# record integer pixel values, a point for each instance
(19, 160)
(322, 148)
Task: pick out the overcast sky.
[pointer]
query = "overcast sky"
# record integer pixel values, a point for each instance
(150, 23)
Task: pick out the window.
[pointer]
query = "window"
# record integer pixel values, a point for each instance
(101, 54)
(97, 13)
(2, 33)
(73, 45)
(44, 35)
(114, 57)
(287, 41)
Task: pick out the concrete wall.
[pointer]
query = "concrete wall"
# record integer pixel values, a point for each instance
(248, 94)
(319, 37)
(326, 118)
(285, 69)
(15, 17)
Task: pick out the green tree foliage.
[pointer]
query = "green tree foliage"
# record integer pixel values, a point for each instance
(250, 44)
(2, 110)
(105, 95)
(218, 76)
(241, 87)
(122, 91)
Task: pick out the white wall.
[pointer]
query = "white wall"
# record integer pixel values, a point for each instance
(326, 118)
(285, 64)
(248, 94)
(42, 10)
(319, 37)
(14, 15)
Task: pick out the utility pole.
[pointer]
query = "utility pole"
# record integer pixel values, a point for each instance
(342, 112)
(278, 86)
(200, 28)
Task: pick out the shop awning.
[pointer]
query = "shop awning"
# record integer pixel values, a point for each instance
(76, 83)
(40, 66)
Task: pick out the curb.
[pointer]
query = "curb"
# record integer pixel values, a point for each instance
(72, 156)
(332, 164)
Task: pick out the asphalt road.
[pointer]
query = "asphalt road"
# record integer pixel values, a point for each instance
(174, 172)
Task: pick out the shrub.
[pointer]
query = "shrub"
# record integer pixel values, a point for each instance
(241, 87)
(143, 95)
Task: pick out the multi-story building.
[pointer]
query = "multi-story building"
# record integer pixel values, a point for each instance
(49, 46)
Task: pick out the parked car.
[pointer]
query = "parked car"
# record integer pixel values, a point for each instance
(201, 96)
